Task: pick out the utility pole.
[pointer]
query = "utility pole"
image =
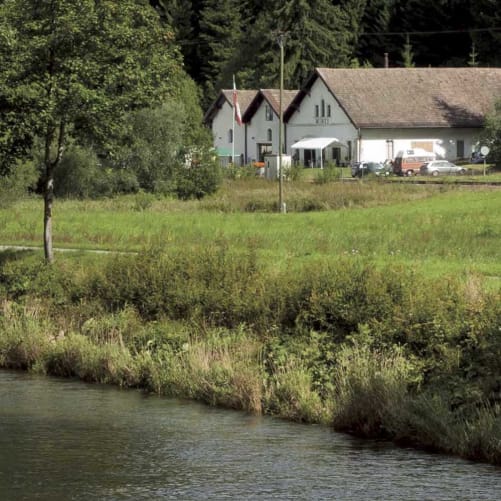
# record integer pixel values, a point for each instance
(281, 203)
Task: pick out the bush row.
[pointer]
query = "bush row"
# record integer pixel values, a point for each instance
(375, 352)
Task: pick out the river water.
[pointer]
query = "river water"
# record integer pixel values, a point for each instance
(63, 439)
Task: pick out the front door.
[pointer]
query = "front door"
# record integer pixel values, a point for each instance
(262, 150)
(310, 158)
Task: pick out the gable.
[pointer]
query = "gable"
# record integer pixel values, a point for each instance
(245, 97)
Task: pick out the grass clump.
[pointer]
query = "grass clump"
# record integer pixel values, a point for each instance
(370, 387)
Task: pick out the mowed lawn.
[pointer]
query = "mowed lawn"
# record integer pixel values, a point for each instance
(456, 231)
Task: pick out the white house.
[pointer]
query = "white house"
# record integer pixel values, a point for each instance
(262, 119)
(219, 118)
(371, 114)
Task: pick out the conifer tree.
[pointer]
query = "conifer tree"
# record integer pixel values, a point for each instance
(407, 54)
(220, 34)
(316, 34)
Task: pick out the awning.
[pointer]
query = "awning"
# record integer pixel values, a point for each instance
(224, 152)
(316, 143)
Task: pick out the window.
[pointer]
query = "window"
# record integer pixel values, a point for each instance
(269, 135)
(329, 110)
(460, 148)
(269, 113)
(230, 136)
(316, 110)
(323, 108)
(349, 151)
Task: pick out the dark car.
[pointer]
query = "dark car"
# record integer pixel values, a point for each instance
(360, 169)
(477, 158)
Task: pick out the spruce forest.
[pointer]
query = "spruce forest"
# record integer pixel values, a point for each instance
(220, 38)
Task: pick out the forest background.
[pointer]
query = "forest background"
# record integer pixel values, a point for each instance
(219, 38)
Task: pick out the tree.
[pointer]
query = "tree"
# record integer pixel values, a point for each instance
(316, 34)
(369, 19)
(407, 54)
(492, 134)
(76, 67)
(220, 33)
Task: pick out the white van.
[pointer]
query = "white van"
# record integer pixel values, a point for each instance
(408, 162)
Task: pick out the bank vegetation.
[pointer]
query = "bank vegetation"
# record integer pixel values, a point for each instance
(363, 338)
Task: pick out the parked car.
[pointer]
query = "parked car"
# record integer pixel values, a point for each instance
(360, 169)
(436, 167)
(408, 162)
(477, 158)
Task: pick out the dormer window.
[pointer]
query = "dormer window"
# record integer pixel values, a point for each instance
(269, 113)
(323, 108)
(316, 111)
(329, 110)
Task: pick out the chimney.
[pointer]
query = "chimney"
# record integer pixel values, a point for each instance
(386, 63)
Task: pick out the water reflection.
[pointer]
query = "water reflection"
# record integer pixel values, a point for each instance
(62, 439)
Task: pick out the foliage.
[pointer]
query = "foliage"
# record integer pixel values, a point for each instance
(328, 174)
(316, 34)
(407, 55)
(200, 178)
(76, 68)
(492, 134)
(220, 28)
(81, 174)
(15, 185)
(377, 348)
(162, 142)
(241, 38)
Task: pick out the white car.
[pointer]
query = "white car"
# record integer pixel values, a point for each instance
(436, 167)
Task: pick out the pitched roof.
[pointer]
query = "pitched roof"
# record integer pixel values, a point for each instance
(272, 96)
(244, 99)
(411, 97)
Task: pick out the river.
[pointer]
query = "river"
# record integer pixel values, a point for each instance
(64, 439)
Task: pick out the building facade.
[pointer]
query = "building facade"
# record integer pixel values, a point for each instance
(363, 114)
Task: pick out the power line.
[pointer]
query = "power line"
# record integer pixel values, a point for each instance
(438, 32)
(382, 33)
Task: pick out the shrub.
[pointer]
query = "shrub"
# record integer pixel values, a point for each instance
(22, 179)
(328, 174)
(81, 174)
(290, 394)
(198, 180)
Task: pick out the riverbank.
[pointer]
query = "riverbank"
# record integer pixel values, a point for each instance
(380, 318)
(375, 352)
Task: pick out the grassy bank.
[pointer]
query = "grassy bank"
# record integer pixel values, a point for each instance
(382, 319)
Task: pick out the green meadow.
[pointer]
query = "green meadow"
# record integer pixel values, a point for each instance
(435, 229)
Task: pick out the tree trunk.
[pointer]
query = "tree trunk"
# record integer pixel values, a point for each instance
(47, 220)
(50, 166)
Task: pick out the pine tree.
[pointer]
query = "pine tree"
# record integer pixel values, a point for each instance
(374, 19)
(316, 34)
(407, 54)
(220, 34)
(473, 56)
(487, 14)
